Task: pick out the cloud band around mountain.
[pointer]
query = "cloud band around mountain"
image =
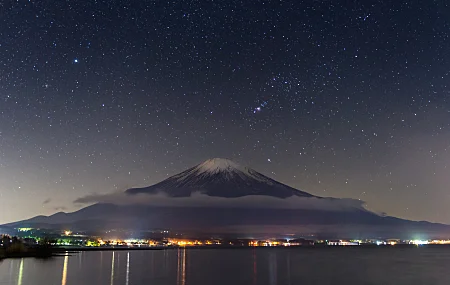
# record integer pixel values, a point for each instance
(201, 200)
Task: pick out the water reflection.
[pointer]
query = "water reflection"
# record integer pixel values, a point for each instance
(166, 262)
(255, 269)
(181, 268)
(128, 269)
(11, 268)
(272, 268)
(112, 269)
(64, 273)
(80, 259)
(118, 261)
(230, 267)
(19, 279)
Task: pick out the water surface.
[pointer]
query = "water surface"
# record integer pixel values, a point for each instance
(270, 266)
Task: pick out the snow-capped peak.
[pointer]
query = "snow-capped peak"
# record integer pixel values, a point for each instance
(217, 165)
(222, 178)
(229, 169)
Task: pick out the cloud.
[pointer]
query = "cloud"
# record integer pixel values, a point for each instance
(47, 201)
(93, 198)
(201, 200)
(60, 208)
(113, 198)
(100, 198)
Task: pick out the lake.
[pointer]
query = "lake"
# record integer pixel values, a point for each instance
(350, 265)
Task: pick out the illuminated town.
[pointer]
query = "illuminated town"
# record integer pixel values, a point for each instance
(69, 239)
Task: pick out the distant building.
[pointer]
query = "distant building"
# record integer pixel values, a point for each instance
(300, 242)
(341, 242)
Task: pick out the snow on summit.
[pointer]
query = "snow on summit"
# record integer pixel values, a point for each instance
(216, 165)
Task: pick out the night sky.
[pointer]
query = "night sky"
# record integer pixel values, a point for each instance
(337, 98)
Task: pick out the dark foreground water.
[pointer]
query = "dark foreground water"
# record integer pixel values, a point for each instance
(272, 266)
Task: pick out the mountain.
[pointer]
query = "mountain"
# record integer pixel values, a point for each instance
(220, 178)
(220, 196)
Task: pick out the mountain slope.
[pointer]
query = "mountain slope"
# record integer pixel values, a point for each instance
(220, 178)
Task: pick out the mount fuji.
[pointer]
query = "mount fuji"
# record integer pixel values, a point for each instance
(221, 196)
(220, 178)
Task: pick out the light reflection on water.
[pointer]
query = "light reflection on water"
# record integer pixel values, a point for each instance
(19, 279)
(238, 267)
(112, 268)
(181, 271)
(64, 273)
(127, 280)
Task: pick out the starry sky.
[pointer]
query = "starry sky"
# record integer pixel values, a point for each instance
(337, 98)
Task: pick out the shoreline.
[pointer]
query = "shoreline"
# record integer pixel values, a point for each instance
(63, 251)
(221, 247)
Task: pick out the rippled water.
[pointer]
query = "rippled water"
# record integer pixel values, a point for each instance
(235, 266)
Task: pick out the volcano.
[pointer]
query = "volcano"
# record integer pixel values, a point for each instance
(221, 196)
(220, 177)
